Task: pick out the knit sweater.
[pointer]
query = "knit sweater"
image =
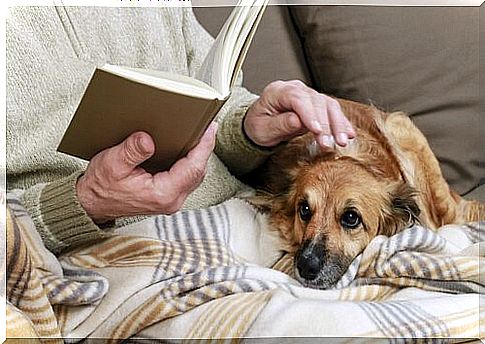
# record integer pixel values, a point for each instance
(51, 55)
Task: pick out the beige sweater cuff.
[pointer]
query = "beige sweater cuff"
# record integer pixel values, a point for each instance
(59, 217)
(244, 156)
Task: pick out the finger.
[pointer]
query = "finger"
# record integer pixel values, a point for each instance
(135, 149)
(201, 152)
(325, 138)
(287, 125)
(298, 99)
(188, 172)
(339, 123)
(348, 128)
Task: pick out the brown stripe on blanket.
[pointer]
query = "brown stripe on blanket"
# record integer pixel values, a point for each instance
(24, 287)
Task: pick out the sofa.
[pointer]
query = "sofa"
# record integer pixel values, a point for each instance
(420, 60)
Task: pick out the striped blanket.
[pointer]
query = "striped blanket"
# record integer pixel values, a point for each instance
(221, 273)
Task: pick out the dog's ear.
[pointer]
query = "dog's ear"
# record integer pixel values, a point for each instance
(261, 200)
(281, 212)
(403, 209)
(266, 202)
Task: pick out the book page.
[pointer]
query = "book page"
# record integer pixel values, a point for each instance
(243, 42)
(165, 81)
(230, 46)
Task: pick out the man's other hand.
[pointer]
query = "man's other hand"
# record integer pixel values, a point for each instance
(289, 108)
(114, 185)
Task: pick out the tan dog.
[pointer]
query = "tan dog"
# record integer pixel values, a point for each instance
(329, 204)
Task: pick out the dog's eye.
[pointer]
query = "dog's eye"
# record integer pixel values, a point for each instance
(350, 219)
(304, 211)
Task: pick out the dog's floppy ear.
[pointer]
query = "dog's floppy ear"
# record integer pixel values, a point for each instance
(281, 212)
(262, 201)
(403, 209)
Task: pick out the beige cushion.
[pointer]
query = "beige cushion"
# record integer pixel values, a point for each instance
(420, 60)
(275, 53)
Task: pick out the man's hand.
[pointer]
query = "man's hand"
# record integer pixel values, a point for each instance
(114, 185)
(289, 108)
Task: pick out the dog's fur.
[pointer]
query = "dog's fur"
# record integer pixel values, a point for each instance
(388, 176)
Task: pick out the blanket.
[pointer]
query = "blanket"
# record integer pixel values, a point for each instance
(221, 272)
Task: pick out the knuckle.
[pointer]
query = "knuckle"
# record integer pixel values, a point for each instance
(288, 90)
(299, 94)
(314, 93)
(297, 83)
(291, 87)
(333, 104)
(323, 98)
(319, 101)
(273, 85)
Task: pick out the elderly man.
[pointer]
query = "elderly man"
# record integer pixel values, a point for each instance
(51, 53)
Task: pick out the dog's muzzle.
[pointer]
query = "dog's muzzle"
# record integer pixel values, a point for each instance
(309, 261)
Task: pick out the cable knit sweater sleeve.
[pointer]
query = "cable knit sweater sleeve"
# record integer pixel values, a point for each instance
(58, 216)
(233, 147)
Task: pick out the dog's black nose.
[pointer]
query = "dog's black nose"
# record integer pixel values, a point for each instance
(308, 265)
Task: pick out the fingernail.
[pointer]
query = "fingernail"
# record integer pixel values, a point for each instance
(351, 133)
(328, 141)
(142, 144)
(343, 138)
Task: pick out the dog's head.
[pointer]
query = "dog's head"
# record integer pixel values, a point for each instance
(332, 209)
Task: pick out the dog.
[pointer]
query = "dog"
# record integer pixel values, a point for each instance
(328, 204)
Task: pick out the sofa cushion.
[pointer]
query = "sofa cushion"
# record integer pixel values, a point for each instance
(274, 54)
(421, 60)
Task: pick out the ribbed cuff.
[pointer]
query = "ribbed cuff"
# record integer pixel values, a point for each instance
(59, 217)
(245, 155)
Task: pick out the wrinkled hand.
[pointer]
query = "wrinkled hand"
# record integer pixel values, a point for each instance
(114, 185)
(289, 108)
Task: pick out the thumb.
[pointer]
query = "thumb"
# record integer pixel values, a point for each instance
(135, 149)
(287, 124)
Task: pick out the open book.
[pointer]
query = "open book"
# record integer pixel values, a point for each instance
(174, 109)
